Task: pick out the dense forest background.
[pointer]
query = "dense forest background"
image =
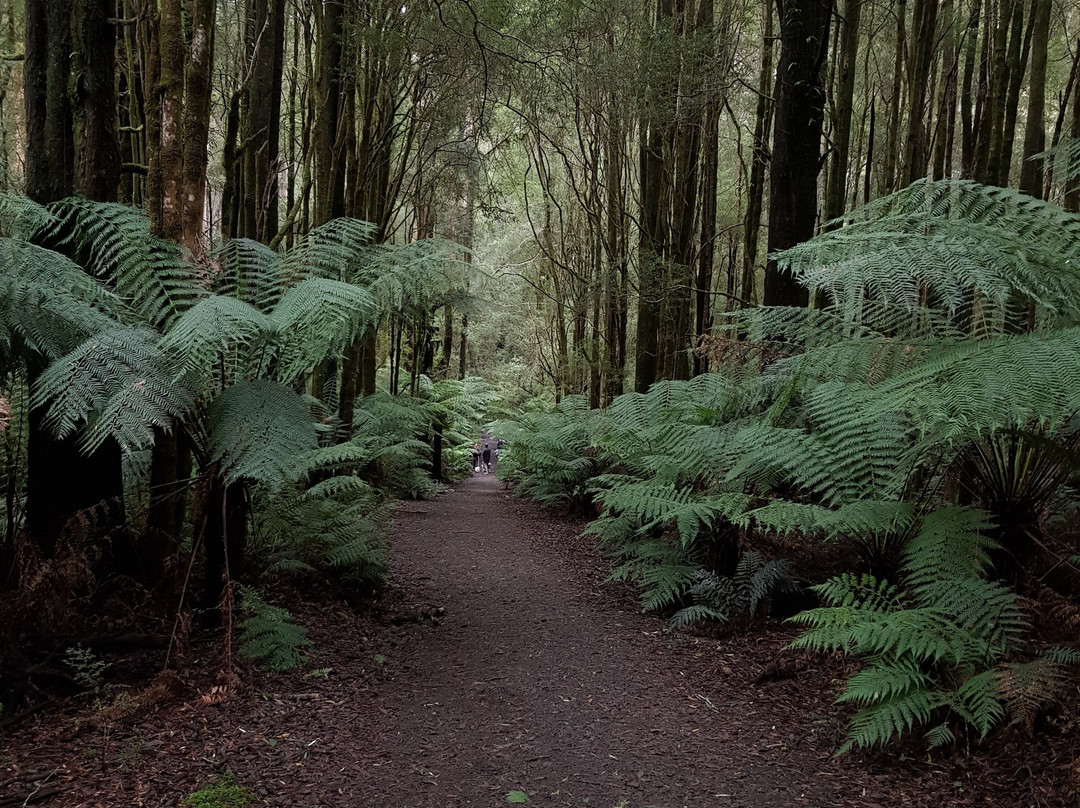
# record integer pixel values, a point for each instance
(622, 169)
(269, 264)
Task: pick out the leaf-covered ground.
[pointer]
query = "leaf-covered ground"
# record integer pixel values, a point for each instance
(499, 668)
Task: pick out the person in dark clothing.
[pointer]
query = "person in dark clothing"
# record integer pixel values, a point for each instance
(485, 456)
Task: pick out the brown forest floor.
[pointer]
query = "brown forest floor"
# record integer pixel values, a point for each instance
(498, 661)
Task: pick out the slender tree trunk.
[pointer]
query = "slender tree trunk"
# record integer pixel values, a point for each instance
(925, 25)
(967, 101)
(262, 125)
(796, 157)
(836, 188)
(1063, 108)
(893, 123)
(329, 154)
(707, 248)
(760, 156)
(1031, 171)
(1018, 58)
(1072, 195)
(945, 129)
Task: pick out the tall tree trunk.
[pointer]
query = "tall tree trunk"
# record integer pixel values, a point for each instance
(183, 50)
(835, 200)
(329, 128)
(967, 100)
(262, 125)
(987, 166)
(796, 157)
(1072, 194)
(1031, 171)
(1018, 58)
(895, 111)
(925, 26)
(755, 192)
(71, 147)
(707, 248)
(653, 243)
(945, 128)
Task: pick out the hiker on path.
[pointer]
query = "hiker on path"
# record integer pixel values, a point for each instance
(476, 457)
(486, 457)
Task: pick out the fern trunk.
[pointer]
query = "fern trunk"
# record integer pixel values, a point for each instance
(223, 535)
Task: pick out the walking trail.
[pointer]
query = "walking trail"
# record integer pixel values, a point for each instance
(502, 669)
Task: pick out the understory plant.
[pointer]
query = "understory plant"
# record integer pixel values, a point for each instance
(235, 361)
(946, 647)
(917, 381)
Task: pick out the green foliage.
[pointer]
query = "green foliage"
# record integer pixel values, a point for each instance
(943, 646)
(938, 311)
(332, 528)
(517, 797)
(257, 429)
(724, 598)
(87, 668)
(119, 384)
(269, 636)
(224, 792)
(147, 272)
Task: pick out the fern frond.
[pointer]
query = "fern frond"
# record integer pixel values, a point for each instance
(335, 250)
(953, 238)
(1029, 687)
(883, 681)
(119, 385)
(21, 217)
(891, 718)
(320, 317)
(213, 329)
(251, 272)
(48, 302)
(146, 271)
(692, 615)
(269, 636)
(257, 429)
(979, 703)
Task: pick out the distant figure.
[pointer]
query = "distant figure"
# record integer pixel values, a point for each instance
(486, 458)
(476, 457)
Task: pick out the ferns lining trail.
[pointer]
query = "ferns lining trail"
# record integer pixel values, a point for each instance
(940, 363)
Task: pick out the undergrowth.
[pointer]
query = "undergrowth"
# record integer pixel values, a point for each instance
(916, 381)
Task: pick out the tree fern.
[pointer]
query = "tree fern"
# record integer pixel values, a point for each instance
(728, 598)
(945, 642)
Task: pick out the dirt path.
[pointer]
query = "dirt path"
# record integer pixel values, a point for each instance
(533, 677)
(501, 663)
(536, 681)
